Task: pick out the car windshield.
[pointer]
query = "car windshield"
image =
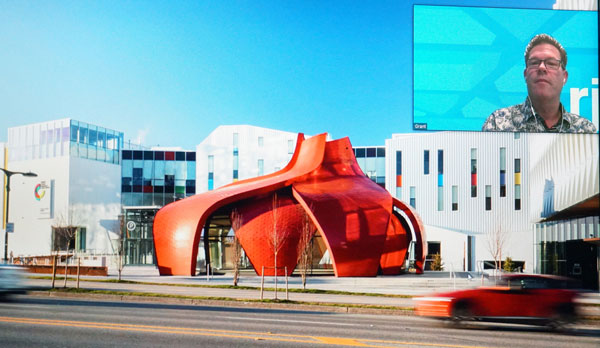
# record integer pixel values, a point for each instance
(536, 283)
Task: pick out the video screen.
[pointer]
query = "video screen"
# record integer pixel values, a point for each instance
(469, 62)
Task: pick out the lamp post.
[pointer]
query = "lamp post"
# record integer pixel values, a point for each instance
(8, 174)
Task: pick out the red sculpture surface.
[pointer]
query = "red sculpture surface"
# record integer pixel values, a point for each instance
(365, 229)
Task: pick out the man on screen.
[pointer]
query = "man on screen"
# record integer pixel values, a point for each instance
(545, 74)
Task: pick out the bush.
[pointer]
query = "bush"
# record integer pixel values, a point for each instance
(509, 265)
(437, 264)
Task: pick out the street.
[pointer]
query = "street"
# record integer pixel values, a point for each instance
(32, 321)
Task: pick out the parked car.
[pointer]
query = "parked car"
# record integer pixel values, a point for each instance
(518, 298)
(12, 281)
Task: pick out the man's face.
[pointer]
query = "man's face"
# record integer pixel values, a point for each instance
(542, 82)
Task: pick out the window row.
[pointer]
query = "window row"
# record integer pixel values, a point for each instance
(148, 169)
(159, 155)
(369, 152)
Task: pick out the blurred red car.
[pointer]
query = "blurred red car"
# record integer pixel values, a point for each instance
(518, 298)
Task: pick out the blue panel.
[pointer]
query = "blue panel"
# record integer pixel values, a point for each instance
(440, 180)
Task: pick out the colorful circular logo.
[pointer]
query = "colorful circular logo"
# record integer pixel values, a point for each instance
(39, 192)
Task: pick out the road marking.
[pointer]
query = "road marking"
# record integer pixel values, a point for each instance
(336, 341)
(292, 321)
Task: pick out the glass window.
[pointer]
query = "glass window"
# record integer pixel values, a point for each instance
(65, 135)
(440, 161)
(148, 169)
(190, 156)
(398, 162)
(380, 168)
(290, 146)
(413, 198)
(261, 141)
(426, 162)
(191, 171)
(180, 156)
(159, 155)
(101, 138)
(148, 155)
(74, 131)
(138, 155)
(361, 153)
(488, 197)
(371, 152)
(180, 170)
(454, 198)
(169, 168)
(502, 172)
(235, 162)
(110, 140)
(211, 163)
(127, 154)
(158, 199)
(93, 134)
(159, 169)
(517, 197)
(517, 165)
(261, 167)
(83, 134)
(381, 152)
(440, 198)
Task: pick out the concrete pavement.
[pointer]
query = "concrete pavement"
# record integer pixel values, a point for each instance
(147, 280)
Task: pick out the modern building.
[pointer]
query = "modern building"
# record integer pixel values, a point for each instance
(232, 153)
(371, 160)
(151, 179)
(530, 197)
(467, 187)
(74, 201)
(565, 179)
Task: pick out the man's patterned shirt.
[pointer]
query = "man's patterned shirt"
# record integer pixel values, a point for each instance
(520, 118)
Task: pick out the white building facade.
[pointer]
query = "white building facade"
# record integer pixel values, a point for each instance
(232, 153)
(467, 188)
(77, 184)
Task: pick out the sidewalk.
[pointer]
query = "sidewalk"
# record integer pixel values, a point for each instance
(408, 285)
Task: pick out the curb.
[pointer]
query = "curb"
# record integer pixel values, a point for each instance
(341, 308)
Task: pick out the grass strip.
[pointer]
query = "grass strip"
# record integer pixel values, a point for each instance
(224, 286)
(229, 299)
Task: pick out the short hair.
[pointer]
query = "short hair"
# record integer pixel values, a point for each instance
(545, 38)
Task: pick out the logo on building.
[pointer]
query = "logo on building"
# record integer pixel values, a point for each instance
(40, 190)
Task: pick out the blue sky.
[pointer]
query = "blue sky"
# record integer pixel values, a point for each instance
(168, 73)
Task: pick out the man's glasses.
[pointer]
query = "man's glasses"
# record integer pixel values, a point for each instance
(549, 63)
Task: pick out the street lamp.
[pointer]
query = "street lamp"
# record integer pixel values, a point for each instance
(8, 174)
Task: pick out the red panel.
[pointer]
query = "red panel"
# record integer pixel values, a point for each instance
(395, 248)
(178, 226)
(350, 211)
(258, 237)
(473, 179)
(398, 180)
(169, 155)
(353, 214)
(147, 189)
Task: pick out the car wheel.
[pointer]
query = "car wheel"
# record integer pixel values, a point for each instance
(563, 317)
(460, 313)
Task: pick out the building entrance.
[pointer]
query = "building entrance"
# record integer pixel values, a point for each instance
(138, 244)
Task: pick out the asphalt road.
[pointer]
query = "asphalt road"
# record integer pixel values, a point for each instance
(49, 322)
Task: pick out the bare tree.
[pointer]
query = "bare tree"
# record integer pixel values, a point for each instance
(236, 223)
(65, 228)
(305, 249)
(496, 240)
(118, 244)
(278, 236)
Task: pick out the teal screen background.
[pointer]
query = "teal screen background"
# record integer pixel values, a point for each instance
(469, 61)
